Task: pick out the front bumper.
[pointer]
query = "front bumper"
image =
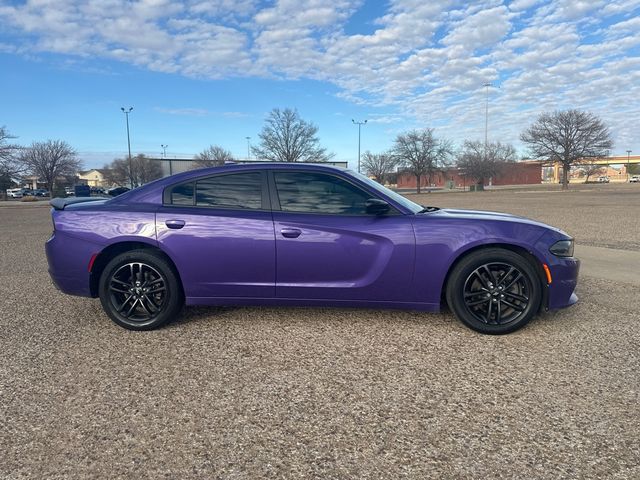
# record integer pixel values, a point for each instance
(564, 274)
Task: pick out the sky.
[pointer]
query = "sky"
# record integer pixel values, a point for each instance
(200, 72)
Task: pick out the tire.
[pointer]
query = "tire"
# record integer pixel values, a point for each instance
(494, 291)
(139, 290)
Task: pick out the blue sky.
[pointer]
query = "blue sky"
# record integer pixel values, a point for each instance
(208, 72)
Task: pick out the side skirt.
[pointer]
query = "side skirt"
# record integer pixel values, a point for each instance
(298, 302)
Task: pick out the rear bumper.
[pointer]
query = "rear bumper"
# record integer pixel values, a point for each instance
(68, 260)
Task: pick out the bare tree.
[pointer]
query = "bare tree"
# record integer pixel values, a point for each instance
(590, 170)
(421, 153)
(213, 156)
(51, 160)
(143, 170)
(568, 137)
(10, 167)
(288, 138)
(379, 165)
(480, 163)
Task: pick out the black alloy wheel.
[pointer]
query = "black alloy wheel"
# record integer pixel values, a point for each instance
(139, 290)
(497, 293)
(494, 291)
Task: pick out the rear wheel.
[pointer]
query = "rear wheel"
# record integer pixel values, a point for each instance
(494, 291)
(139, 290)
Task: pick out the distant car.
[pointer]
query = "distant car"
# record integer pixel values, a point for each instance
(27, 192)
(114, 192)
(69, 191)
(603, 179)
(14, 193)
(41, 192)
(635, 179)
(97, 190)
(303, 234)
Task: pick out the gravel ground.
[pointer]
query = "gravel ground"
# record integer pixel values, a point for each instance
(248, 393)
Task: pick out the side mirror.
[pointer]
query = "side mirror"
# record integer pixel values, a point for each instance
(375, 206)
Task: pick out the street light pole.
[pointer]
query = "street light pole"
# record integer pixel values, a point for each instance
(164, 157)
(126, 113)
(248, 148)
(359, 123)
(486, 118)
(628, 156)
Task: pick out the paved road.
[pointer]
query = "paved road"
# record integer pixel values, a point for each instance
(609, 263)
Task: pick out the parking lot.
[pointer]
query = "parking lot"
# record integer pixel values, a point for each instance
(249, 393)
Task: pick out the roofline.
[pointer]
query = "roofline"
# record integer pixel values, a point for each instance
(230, 167)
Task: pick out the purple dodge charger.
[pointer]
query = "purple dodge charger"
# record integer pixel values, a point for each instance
(302, 234)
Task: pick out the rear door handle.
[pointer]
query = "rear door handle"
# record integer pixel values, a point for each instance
(290, 232)
(175, 224)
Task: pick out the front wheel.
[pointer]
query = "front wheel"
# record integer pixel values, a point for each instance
(139, 290)
(494, 291)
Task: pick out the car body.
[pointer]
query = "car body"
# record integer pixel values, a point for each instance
(634, 179)
(41, 192)
(69, 191)
(303, 234)
(14, 193)
(27, 192)
(603, 179)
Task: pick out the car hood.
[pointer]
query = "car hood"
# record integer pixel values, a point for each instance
(481, 215)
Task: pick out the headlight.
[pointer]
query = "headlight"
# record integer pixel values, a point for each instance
(563, 248)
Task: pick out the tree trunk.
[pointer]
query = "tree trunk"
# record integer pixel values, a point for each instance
(565, 176)
(418, 183)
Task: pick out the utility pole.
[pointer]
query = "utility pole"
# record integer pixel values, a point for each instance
(359, 123)
(126, 113)
(628, 157)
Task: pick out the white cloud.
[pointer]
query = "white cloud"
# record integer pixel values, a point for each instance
(425, 60)
(482, 29)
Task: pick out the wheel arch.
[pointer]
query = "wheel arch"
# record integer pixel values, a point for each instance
(111, 251)
(527, 254)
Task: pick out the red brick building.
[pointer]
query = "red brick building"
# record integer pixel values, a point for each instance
(519, 173)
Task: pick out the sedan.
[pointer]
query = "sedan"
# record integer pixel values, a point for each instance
(303, 235)
(115, 191)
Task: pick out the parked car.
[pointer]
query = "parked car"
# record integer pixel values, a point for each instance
(603, 179)
(301, 234)
(27, 192)
(14, 193)
(634, 179)
(41, 192)
(97, 190)
(69, 191)
(115, 191)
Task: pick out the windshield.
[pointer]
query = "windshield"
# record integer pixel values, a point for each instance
(396, 197)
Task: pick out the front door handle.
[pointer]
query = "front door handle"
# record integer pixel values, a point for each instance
(290, 232)
(174, 224)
